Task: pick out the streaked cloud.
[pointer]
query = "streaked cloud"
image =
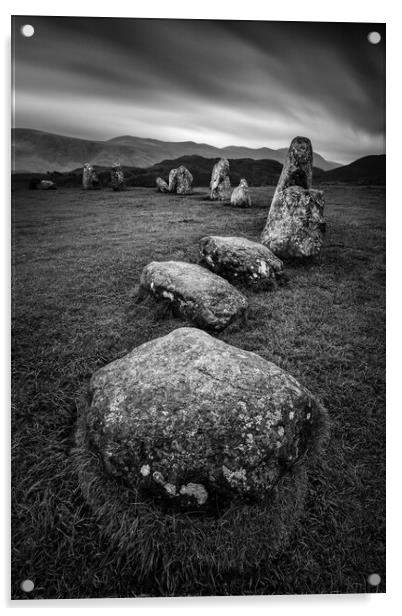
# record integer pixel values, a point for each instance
(224, 83)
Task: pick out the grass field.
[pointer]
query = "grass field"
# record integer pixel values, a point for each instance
(77, 258)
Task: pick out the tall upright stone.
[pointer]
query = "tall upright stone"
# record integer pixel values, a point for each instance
(220, 181)
(90, 180)
(298, 166)
(117, 177)
(295, 223)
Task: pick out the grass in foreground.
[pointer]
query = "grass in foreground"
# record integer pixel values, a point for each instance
(77, 259)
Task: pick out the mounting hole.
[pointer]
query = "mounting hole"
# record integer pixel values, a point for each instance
(374, 579)
(27, 30)
(374, 38)
(27, 585)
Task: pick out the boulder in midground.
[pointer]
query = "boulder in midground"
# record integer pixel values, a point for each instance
(220, 181)
(191, 422)
(295, 223)
(240, 195)
(240, 260)
(181, 181)
(89, 178)
(204, 298)
(117, 177)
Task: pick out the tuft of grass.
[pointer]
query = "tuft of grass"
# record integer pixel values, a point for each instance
(77, 258)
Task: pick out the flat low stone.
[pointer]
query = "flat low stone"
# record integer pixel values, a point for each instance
(295, 223)
(204, 298)
(240, 260)
(47, 185)
(191, 422)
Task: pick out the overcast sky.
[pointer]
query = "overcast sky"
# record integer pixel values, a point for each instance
(223, 83)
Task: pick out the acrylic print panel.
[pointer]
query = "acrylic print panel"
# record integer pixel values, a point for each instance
(198, 308)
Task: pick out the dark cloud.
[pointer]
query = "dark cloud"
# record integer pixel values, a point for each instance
(242, 83)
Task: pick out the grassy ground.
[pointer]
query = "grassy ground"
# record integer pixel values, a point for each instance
(77, 258)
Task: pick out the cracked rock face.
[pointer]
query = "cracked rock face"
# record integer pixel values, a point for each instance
(220, 181)
(162, 185)
(204, 298)
(117, 177)
(181, 181)
(295, 225)
(240, 195)
(240, 260)
(89, 178)
(193, 423)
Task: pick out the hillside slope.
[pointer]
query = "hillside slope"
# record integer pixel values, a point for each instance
(366, 170)
(38, 151)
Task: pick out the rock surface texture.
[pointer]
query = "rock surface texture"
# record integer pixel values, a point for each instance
(117, 177)
(240, 195)
(162, 185)
(181, 181)
(295, 223)
(220, 181)
(240, 260)
(89, 178)
(204, 298)
(191, 422)
(298, 166)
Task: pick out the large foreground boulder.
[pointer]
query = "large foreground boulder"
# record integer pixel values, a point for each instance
(193, 423)
(220, 181)
(204, 298)
(181, 181)
(90, 180)
(295, 223)
(192, 455)
(117, 177)
(240, 195)
(162, 185)
(240, 260)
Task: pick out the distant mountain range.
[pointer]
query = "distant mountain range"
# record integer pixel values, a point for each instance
(38, 152)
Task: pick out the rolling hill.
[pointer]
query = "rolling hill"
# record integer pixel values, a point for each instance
(37, 151)
(366, 170)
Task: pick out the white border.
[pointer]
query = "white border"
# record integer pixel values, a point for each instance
(291, 10)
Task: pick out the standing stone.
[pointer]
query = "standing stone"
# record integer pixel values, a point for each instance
(204, 298)
(240, 195)
(220, 181)
(89, 178)
(172, 180)
(298, 166)
(162, 185)
(117, 177)
(295, 224)
(240, 260)
(197, 424)
(181, 181)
